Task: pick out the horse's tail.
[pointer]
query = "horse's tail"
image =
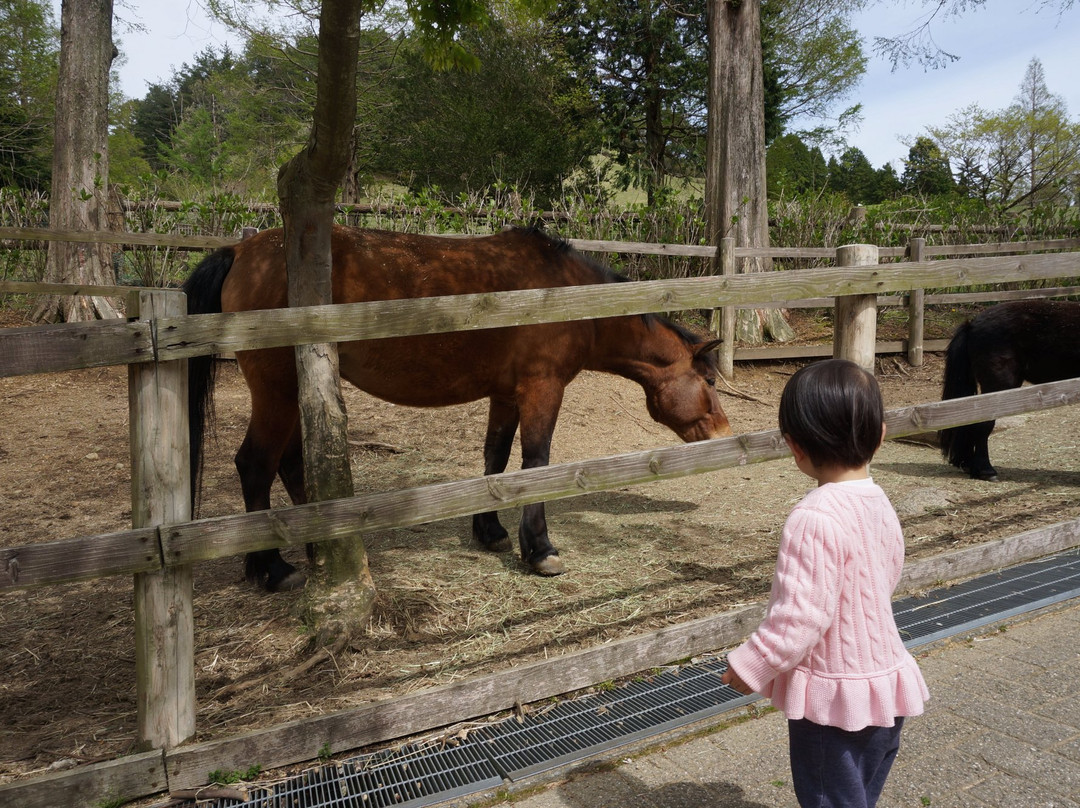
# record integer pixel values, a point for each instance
(203, 289)
(959, 382)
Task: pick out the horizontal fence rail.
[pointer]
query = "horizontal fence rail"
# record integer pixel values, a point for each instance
(40, 349)
(151, 549)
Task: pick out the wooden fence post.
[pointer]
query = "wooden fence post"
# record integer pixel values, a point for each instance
(855, 316)
(723, 319)
(161, 494)
(916, 309)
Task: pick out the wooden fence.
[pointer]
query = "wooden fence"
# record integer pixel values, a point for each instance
(913, 297)
(163, 544)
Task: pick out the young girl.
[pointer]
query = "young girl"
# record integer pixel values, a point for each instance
(828, 653)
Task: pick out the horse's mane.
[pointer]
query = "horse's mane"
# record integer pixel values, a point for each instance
(608, 275)
(563, 247)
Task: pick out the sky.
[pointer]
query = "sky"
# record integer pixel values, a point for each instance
(995, 44)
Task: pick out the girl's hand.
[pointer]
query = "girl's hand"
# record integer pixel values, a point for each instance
(733, 680)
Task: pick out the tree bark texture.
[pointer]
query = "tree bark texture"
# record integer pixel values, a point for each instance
(80, 168)
(735, 198)
(340, 592)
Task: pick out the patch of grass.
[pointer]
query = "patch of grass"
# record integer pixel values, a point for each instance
(227, 778)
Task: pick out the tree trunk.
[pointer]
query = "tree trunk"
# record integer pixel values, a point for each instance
(735, 200)
(340, 592)
(80, 168)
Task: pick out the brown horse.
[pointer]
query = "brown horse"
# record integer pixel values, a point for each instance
(522, 370)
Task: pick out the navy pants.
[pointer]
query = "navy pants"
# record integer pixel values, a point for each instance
(834, 768)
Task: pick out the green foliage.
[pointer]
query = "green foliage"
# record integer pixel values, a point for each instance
(110, 802)
(813, 60)
(226, 778)
(853, 176)
(29, 54)
(224, 123)
(519, 119)
(126, 161)
(926, 171)
(23, 208)
(793, 171)
(1023, 156)
(645, 64)
(792, 168)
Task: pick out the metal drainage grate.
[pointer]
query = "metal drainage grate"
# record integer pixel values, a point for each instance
(404, 778)
(953, 610)
(572, 730)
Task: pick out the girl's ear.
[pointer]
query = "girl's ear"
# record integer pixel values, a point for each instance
(796, 449)
(883, 428)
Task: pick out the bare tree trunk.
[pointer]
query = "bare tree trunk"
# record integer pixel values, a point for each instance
(340, 592)
(80, 168)
(735, 200)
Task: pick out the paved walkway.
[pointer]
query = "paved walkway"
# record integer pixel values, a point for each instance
(1002, 729)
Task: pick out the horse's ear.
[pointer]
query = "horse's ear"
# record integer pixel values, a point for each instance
(706, 347)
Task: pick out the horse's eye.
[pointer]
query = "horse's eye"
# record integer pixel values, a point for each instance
(711, 381)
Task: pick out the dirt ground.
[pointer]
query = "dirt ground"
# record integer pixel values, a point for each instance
(638, 558)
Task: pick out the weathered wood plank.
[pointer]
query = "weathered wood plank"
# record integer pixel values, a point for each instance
(215, 333)
(989, 406)
(110, 783)
(160, 493)
(855, 316)
(80, 559)
(71, 289)
(1003, 247)
(996, 296)
(989, 556)
(117, 237)
(916, 306)
(324, 521)
(1003, 295)
(69, 346)
(295, 526)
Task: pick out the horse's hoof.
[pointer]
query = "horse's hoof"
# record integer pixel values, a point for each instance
(294, 580)
(552, 565)
(502, 545)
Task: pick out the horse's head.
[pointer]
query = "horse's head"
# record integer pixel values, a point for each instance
(685, 399)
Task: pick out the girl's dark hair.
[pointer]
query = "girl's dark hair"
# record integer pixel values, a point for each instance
(834, 411)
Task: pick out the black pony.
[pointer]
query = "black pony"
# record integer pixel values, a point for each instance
(999, 349)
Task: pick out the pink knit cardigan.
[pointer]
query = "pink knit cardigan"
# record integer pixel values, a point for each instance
(828, 648)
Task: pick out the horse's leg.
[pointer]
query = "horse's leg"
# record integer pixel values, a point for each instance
(979, 466)
(998, 371)
(538, 405)
(502, 424)
(268, 441)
